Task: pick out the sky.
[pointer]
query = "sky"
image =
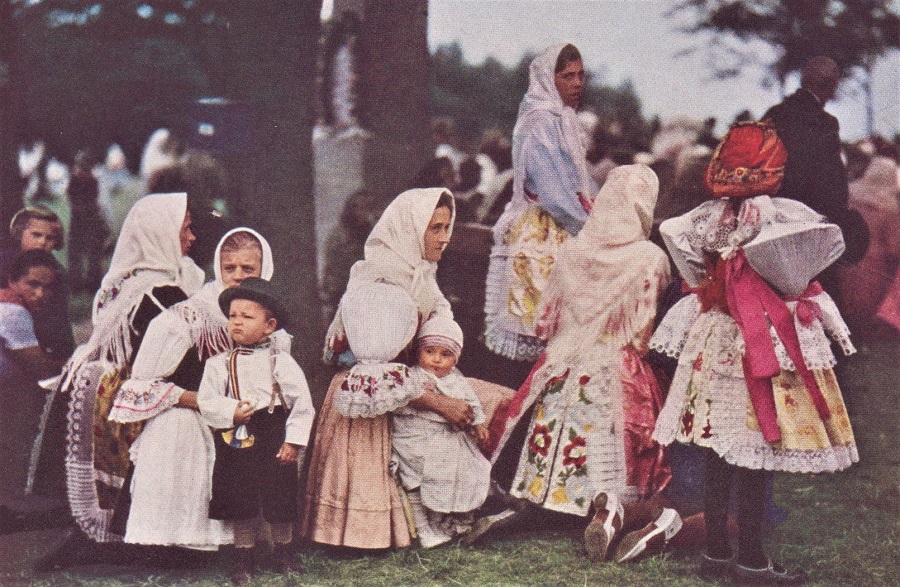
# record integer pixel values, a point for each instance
(638, 40)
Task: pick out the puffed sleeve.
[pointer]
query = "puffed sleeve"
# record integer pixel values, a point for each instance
(146, 393)
(217, 410)
(296, 394)
(551, 175)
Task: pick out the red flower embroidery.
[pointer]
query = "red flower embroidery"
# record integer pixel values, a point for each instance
(698, 362)
(687, 422)
(584, 380)
(574, 453)
(707, 430)
(539, 443)
(790, 401)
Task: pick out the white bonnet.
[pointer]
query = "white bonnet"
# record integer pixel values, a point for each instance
(380, 319)
(443, 332)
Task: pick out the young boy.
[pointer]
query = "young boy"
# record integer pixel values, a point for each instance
(442, 469)
(262, 392)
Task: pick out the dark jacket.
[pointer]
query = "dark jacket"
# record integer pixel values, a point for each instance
(814, 173)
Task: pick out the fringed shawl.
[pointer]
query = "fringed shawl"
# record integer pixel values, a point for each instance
(197, 322)
(604, 284)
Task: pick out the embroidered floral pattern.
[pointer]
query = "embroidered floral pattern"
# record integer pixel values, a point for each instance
(107, 295)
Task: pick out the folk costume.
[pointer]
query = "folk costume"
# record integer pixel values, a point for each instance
(147, 274)
(170, 496)
(754, 381)
(249, 480)
(596, 399)
(552, 193)
(442, 465)
(351, 500)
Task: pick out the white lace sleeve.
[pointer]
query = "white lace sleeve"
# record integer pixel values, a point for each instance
(672, 333)
(834, 324)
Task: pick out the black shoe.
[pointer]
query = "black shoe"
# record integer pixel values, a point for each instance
(286, 560)
(242, 571)
(714, 568)
(773, 574)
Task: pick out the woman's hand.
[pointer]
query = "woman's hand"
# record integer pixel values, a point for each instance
(287, 454)
(242, 412)
(188, 399)
(455, 411)
(481, 435)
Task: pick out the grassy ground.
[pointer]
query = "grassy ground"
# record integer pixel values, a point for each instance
(844, 529)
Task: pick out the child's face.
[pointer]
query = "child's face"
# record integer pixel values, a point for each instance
(34, 287)
(38, 235)
(236, 266)
(437, 360)
(248, 323)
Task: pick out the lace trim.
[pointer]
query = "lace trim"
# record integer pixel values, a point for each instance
(141, 400)
(685, 323)
(672, 333)
(371, 390)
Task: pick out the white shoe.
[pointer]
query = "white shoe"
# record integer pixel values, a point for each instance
(651, 539)
(429, 536)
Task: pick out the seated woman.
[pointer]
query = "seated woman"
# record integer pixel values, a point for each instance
(170, 496)
(350, 498)
(149, 272)
(30, 277)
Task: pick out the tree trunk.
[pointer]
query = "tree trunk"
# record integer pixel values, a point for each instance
(278, 40)
(11, 184)
(393, 90)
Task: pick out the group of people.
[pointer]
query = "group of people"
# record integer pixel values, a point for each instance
(183, 418)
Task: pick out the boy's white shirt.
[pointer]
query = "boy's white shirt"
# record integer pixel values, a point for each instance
(256, 372)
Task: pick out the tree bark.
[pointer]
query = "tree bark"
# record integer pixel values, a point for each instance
(395, 104)
(279, 42)
(11, 184)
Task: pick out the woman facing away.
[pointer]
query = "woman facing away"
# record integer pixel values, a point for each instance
(149, 272)
(595, 397)
(552, 195)
(351, 500)
(173, 455)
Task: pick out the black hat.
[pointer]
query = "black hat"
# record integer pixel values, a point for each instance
(257, 290)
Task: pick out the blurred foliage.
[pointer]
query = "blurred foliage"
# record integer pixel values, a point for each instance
(853, 32)
(487, 96)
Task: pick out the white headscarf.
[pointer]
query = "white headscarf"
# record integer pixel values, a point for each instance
(394, 254)
(542, 96)
(147, 255)
(601, 274)
(202, 312)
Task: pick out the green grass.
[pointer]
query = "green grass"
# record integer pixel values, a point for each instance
(844, 529)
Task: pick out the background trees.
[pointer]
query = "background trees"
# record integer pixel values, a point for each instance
(853, 32)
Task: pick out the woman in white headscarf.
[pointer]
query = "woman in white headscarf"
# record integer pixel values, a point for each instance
(595, 397)
(351, 500)
(552, 195)
(174, 454)
(149, 272)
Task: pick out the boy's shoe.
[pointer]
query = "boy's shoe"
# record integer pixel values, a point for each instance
(599, 534)
(715, 568)
(772, 574)
(242, 572)
(651, 539)
(286, 560)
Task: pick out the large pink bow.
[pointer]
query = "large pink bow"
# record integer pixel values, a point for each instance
(753, 304)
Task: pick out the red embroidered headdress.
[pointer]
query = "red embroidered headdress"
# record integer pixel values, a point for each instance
(749, 161)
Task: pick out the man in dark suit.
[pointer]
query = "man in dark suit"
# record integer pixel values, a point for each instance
(814, 173)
